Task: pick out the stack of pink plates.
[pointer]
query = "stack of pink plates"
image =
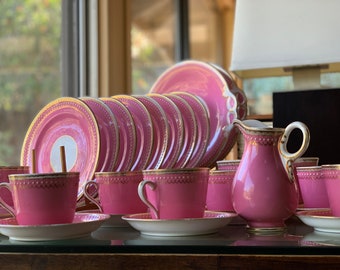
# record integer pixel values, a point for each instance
(184, 121)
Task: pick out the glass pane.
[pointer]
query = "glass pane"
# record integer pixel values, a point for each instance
(152, 41)
(259, 90)
(204, 31)
(29, 68)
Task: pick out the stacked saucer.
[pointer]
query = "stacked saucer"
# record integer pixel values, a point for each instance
(184, 121)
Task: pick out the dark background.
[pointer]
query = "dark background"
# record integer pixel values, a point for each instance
(320, 111)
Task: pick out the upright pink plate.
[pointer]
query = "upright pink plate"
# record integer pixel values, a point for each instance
(160, 131)
(207, 82)
(241, 106)
(67, 122)
(127, 134)
(176, 128)
(109, 134)
(190, 130)
(203, 127)
(144, 130)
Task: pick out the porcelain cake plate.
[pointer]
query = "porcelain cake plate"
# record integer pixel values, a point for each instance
(190, 130)
(207, 82)
(144, 130)
(176, 128)
(67, 122)
(161, 131)
(320, 220)
(109, 134)
(210, 223)
(202, 124)
(127, 134)
(82, 225)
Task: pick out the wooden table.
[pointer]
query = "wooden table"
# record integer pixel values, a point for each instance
(231, 248)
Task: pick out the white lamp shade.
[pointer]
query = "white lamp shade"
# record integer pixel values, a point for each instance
(270, 35)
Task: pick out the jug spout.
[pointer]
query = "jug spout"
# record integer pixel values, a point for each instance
(249, 124)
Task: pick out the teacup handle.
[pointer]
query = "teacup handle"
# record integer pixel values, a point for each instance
(89, 196)
(289, 158)
(2, 202)
(143, 197)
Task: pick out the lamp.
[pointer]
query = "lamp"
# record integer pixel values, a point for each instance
(286, 37)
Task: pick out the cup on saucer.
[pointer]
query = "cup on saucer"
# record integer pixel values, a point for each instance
(175, 193)
(42, 198)
(117, 192)
(331, 175)
(219, 190)
(303, 162)
(4, 193)
(312, 187)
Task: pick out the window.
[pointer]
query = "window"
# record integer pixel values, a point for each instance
(156, 26)
(30, 77)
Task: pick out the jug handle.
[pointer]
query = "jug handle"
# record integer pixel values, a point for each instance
(289, 158)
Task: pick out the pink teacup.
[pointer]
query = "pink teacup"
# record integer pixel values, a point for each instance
(227, 164)
(117, 192)
(45, 198)
(4, 172)
(331, 175)
(175, 193)
(219, 190)
(303, 162)
(312, 186)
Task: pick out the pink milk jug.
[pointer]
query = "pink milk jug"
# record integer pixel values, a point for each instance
(264, 190)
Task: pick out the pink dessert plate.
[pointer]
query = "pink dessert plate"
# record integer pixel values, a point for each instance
(144, 130)
(109, 134)
(82, 225)
(203, 127)
(190, 130)
(240, 98)
(205, 81)
(160, 131)
(176, 128)
(67, 122)
(210, 223)
(127, 134)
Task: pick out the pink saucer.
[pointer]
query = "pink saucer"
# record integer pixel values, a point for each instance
(109, 133)
(207, 82)
(190, 130)
(161, 131)
(82, 225)
(175, 121)
(144, 130)
(127, 134)
(65, 122)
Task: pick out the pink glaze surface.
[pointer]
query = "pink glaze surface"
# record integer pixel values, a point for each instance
(144, 130)
(207, 82)
(175, 194)
(43, 198)
(5, 194)
(303, 162)
(263, 192)
(65, 122)
(161, 131)
(109, 133)
(312, 187)
(203, 126)
(219, 191)
(189, 133)
(331, 174)
(176, 130)
(127, 134)
(117, 192)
